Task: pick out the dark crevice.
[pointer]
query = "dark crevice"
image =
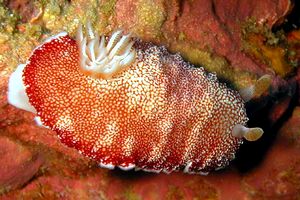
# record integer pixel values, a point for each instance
(251, 154)
(129, 175)
(31, 180)
(292, 20)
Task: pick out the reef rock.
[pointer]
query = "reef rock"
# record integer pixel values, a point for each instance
(17, 164)
(214, 26)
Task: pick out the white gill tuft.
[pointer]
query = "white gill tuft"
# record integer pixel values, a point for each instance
(101, 60)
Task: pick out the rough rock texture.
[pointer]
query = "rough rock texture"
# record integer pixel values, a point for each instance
(17, 164)
(278, 176)
(207, 32)
(218, 25)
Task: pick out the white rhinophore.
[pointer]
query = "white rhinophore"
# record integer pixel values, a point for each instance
(250, 134)
(257, 89)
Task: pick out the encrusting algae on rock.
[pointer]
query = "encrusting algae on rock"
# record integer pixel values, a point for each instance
(272, 49)
(128, 103)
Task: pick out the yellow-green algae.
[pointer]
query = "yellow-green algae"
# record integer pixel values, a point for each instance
(129, 194)
(270, 48)
(108, 7)
(57, 15)
(13, 44)
(150, 18)
(66, 16)
(8, 19)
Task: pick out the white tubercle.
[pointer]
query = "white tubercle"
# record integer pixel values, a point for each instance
(187, 167)
(107, 166)
(250, 134)
(127, 168)
(16, 95)
(103, 60)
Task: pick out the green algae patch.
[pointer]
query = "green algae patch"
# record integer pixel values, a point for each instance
(18, 38)
(129, 194)
(33, 31)
(150, 17)
(65, 16)
(8, 19)
(52, 11)
(182, 36)
(108, 7)
(269, 48)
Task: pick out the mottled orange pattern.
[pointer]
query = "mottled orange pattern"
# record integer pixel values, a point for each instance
(160, 114)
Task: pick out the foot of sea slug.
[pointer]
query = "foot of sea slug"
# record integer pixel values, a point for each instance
(16, 91)
(250, 134)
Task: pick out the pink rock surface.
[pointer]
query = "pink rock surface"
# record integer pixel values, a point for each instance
(278, 176)
(212, 25)
(17, 164)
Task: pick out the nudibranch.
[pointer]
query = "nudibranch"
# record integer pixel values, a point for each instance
(131, 104)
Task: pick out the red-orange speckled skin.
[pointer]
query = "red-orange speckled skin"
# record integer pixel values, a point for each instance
(160, 113)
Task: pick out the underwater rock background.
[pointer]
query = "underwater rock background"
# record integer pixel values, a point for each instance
(239, 40)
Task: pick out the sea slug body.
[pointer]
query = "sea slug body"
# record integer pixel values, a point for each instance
(128, 103)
